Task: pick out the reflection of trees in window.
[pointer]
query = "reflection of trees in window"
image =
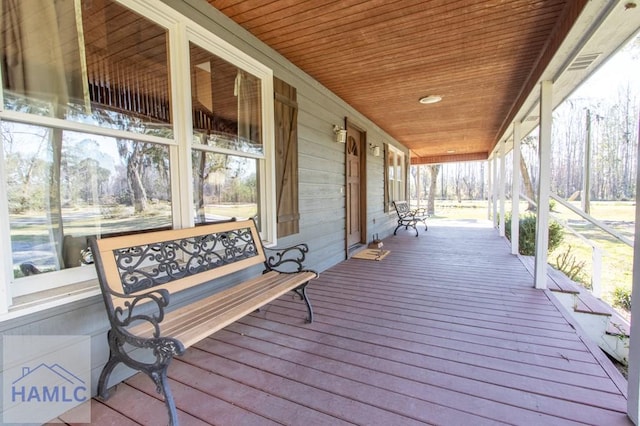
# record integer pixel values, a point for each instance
(223, 179)
(94, 188)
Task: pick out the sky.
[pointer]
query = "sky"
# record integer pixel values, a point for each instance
(622, 67)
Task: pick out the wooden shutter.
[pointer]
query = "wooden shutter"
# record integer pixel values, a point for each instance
(286, 128)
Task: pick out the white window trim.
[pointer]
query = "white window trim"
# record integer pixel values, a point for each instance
(181, 30)
(208, 41)
(399, 170)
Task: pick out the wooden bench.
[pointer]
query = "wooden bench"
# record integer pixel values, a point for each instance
(138, 274)
(409, 218)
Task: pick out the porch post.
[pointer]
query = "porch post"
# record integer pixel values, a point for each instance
(515, 190)
(495, 192)
(503, 179)
(633, 385)
(544, 154)
(418, 184)
(489, 188)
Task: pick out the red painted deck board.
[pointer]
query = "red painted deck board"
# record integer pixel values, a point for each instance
(447, 329)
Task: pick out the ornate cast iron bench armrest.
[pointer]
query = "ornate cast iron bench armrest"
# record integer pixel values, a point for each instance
(290, 261)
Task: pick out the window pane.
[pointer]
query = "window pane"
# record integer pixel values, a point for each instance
(100, 64)
(226, 103)
(63, 186)
(225, 186)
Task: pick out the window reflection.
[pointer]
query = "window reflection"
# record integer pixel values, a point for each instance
(225, 186)
(91, 185)
(226, 104)
(100, 64)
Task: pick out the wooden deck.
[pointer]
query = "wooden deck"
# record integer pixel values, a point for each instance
(447, 329)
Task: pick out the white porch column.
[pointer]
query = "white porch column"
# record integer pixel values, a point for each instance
(515, 190)
(495, 192)
(418, 184)
(503, 180)
(544, 154)
(489, 188)
(633, 385)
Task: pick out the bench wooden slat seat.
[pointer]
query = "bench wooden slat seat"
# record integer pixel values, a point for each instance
(139, 273)
(221, 309)
(408, 217)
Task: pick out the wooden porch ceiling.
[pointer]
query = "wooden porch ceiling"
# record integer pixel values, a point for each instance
(382, 56)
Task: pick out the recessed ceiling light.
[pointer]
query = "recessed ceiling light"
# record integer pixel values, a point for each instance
(451, 151)
(431, 99)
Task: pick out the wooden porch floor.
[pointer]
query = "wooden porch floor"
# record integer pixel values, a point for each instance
(447, 329)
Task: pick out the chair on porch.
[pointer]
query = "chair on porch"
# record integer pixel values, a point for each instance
(408, 217)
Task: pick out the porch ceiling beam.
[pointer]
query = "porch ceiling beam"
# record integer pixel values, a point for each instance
(474, 156)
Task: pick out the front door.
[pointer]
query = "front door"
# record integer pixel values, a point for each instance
(354, 185)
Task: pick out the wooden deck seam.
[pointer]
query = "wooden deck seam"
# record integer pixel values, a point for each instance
(554, 378)
(560, 356)
(405, 394)
(236, 360)
(506, 335)
(381, 388)
(495, 325)
(418, 303)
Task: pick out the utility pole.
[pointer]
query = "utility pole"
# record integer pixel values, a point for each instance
(586, 181)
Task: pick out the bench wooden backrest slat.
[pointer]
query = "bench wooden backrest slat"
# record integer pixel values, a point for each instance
(113, 273)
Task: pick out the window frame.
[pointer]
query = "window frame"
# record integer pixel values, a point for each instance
(266, 170)
(180, 31)
(394, 188)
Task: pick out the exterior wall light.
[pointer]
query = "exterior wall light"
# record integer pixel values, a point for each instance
(341, 133)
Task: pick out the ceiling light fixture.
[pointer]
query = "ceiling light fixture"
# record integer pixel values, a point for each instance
(431, 99)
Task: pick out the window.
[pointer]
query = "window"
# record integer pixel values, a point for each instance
(395, 177)
(228, 150)
(94, 141)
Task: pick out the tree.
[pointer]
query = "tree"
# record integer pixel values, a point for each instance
(434, 169)
(526, 177)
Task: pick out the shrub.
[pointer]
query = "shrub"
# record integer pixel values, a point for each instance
(527, 244)
(622, 298)
(572, 267)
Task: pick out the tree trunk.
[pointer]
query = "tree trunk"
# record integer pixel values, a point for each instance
(528, 186)
(138, 193)
(433, 171)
